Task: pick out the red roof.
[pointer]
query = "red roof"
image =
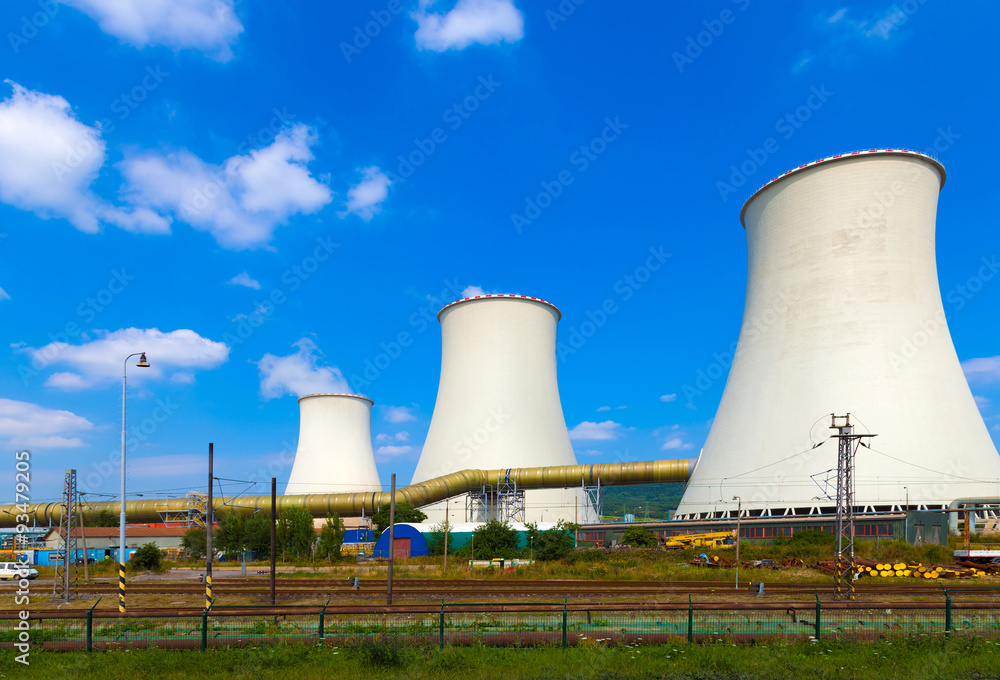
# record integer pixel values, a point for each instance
(130, 532)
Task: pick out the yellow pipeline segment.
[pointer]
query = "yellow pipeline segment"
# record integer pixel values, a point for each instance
(352, 504)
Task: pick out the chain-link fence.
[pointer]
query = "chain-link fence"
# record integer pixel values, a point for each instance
(953, 613)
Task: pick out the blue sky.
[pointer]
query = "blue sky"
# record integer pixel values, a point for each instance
(264, 197)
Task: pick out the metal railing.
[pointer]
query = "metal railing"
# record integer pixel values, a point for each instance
(958, 613)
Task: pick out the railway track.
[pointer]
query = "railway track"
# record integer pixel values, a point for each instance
(468, 588)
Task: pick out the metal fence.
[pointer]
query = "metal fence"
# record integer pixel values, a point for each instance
(521, 623)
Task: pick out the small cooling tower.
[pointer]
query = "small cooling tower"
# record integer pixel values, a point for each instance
(843, 315)
(498, 402)
(335, 446)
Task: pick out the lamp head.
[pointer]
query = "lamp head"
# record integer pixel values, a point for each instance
(142, 363)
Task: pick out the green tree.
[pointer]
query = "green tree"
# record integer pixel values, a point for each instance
(331, 538)
(493, 539)
(557, 542)
(239, 533)
(405, 513)
(194, 542)
(105, 518)
(147, 558)
(295, 534)
(435, 540)
(637, 537)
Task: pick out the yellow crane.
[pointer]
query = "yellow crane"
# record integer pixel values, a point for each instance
(713, 539)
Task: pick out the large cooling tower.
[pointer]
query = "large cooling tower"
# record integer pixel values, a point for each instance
(334, 454)
(843, 315)
(498, 401)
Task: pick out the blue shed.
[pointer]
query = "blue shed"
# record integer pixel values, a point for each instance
(409, 542)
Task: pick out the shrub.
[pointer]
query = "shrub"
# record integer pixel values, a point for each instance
(147, 558)
(381, 651)
(637, 537)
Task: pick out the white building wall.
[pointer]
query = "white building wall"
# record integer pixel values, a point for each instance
(843, 314)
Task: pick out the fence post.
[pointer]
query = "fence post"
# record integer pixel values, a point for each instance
(204, 625)
(947, 613)
(322, 616)
(441, 627)
(819, 614)
(90, 626)
(690, 619)
(564, 622)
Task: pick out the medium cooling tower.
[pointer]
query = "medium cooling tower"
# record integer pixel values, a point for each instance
(335, 446)
(498, 401)
(843, 315)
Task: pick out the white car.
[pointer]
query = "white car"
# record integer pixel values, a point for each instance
(10, 571)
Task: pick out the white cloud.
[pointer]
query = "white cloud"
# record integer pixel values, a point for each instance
(588, 430)
(393, 451)
(365, 198)
(48, 161)
(398, 414)
(837, 16)
(25, 425)
(4, 295)
(240, 202)
(604, 408)
(676, 444)
(590, 452)
(668, 397)
(487, 22)
(473, 291)
(981, 402)
(398, 437)
(986, 369)
(299, 374)
(208, 26)
(244, 279)
(99, 361)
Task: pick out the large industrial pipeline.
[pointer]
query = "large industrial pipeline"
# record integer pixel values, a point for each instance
(358, 504)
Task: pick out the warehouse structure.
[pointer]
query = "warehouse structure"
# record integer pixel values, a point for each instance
(843, 315)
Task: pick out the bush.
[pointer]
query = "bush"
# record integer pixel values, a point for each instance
(637, 537)
(381, 651)
(493, 539)
(435, 541)
(553, 544)
(147, 558)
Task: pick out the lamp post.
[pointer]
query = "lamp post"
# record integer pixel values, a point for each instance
(142, 363)
(739, 508)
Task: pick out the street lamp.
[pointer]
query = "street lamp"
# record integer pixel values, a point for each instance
(739, 508)
(142, 363)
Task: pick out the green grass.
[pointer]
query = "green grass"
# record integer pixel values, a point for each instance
(960, 659)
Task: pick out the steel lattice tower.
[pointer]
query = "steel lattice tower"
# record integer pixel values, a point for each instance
(845, 566)
(64, 585)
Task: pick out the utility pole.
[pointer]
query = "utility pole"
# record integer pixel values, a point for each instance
(739, 513)
(446, 532)
(392, 536)
(274, 531)
(845, 566)
(210, 509)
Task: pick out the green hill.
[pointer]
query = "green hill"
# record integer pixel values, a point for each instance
(655, 499)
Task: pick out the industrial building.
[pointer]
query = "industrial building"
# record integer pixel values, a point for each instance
(843, 315)
(498, 407)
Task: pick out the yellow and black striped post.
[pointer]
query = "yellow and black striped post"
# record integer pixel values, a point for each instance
(208, 591)
(121, 587)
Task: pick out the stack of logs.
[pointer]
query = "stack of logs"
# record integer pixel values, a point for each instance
(912, 569)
